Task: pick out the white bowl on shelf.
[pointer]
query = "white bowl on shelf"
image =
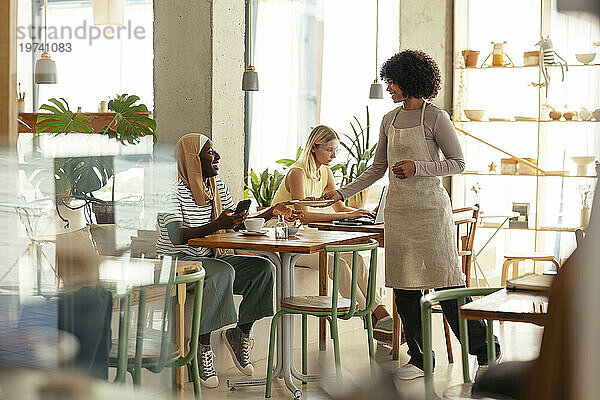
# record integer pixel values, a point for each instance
(582, 164)
(585, 58)
(475, 115)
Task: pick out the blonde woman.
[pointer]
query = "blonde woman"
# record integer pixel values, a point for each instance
(309, 177)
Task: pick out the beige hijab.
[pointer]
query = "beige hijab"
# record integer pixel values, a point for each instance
(189, 169)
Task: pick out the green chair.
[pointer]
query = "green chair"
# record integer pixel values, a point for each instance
(120, 360)
(331, 308)
(156, 351)
(460, 295)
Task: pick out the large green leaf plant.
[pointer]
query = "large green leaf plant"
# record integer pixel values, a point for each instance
(79, 177)
(288, 162)
(130, 121)
(263, 186)
(360, 151)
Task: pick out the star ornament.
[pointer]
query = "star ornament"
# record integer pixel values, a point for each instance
(492, 167)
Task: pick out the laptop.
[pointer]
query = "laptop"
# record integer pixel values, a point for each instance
(367, 220)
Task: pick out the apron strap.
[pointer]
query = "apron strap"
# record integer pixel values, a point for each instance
(394, 120)
(423, 112)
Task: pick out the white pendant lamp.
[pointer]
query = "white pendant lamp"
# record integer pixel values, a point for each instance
(108, 12)
(376, 90)
(250, 77)
(45, 68)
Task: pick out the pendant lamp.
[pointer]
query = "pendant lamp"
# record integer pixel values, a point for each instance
(45, 68)
(376, 91)
(108, 12)
(250, 77)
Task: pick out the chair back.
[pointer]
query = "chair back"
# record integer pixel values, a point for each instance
(372, 246)
(165, 358)
(465, 237)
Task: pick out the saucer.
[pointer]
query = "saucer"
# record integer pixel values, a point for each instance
(262, 232)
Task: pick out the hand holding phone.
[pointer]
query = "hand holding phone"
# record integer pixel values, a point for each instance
(242, 206)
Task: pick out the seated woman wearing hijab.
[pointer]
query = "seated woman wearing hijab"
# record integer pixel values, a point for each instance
(310, 177)
(201, 206)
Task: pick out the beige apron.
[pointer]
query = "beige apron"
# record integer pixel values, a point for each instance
(420, 238)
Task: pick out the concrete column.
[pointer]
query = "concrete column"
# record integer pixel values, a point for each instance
(427, 26)
(198, 66)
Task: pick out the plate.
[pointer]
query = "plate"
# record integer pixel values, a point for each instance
(521, 118)
(498, 119)
(312, 203)
(262, 232)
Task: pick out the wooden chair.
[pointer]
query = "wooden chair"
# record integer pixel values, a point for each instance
(514, 258)
(155, 350)
(465, 237)
(331, 308)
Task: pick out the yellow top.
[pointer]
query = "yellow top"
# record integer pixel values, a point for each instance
(312, 187)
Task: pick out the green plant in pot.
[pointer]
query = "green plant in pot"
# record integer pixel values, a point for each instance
(360, 156)
(80, 177)
(263, 186)
(288, 162)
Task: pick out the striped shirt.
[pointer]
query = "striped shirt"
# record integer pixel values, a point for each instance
(181, 207)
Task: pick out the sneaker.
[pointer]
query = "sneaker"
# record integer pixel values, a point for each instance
(239, 345)
(383, 331)
(408, 372)
(482, 368)
(208, 375)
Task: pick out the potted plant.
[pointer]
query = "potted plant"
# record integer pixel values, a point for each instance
(360, 156)
(288, 162)
(79, 177)
(263, 186)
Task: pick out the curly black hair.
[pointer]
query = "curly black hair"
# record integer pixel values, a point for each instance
(415, 72)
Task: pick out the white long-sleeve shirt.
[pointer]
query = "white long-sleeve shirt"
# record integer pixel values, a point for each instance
(440, 136)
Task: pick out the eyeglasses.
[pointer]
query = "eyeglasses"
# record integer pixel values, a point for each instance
(334, 151)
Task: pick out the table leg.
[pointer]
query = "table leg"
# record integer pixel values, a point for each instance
(277, 370)
(181, 298)
(396, 333)
(322, 292)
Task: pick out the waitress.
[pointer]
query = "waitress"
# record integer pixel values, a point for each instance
(420, 235)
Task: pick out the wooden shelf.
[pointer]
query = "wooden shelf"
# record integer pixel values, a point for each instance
(542, 121)
(525, 67)
(538, 229)
(550, 175)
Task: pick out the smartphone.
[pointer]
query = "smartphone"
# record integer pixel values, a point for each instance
(242, 206)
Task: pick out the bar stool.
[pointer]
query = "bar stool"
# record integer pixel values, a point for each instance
(516, 257)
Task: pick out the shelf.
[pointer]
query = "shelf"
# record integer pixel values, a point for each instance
(542, 121)
(527, 66)
(549, 175)
(539, 229)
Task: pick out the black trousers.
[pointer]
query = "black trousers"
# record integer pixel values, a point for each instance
(409, 308)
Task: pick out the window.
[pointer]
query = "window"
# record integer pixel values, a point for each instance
(94, 63)
(316, 61)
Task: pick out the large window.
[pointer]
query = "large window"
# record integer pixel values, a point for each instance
(94, 63)
(316, 61)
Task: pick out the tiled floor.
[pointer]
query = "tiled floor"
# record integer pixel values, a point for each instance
(519, 342)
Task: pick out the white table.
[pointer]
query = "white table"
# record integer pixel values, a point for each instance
(283, 253)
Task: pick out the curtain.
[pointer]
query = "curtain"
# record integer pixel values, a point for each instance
(316, 61)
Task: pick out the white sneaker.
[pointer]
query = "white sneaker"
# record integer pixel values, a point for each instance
(408, 372)
(208, 375)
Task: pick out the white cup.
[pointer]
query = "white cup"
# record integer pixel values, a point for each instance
(254, 224)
